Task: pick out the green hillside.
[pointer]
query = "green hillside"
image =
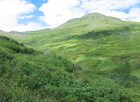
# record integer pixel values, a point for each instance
(106, 49)
(27, 75)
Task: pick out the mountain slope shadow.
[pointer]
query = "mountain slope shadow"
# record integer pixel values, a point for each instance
(100, 34)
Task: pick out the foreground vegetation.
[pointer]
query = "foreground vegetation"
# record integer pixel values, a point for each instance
(29, 76)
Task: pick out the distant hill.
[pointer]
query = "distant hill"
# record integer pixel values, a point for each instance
(14, 34)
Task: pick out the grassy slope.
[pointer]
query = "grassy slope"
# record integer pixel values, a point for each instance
(27, 75)
(105, 45)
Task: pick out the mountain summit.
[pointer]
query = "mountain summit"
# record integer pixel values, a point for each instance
(99, 17)
(92, 18)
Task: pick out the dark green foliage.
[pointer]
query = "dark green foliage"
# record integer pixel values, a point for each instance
(29, 76)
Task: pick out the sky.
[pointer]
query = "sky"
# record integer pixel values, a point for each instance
(30, 15)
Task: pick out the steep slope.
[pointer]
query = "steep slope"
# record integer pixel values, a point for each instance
(28, 75)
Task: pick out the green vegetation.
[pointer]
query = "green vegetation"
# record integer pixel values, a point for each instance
(90, 59)
(28, 75)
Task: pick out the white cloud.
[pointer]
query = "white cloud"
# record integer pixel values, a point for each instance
(26, 16)
(134, 14)
(108, 4)
(31, 26)
(113, 8)
(57, 12)
(13, 10)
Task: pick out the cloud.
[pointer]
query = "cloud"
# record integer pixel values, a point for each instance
(108, 4)
(11, 11)
(57, 12)
(134, 14)
(115, 8)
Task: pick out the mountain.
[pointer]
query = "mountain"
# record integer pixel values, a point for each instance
(2, 32)
(90, 19)
(13, 34)
(101, 45)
